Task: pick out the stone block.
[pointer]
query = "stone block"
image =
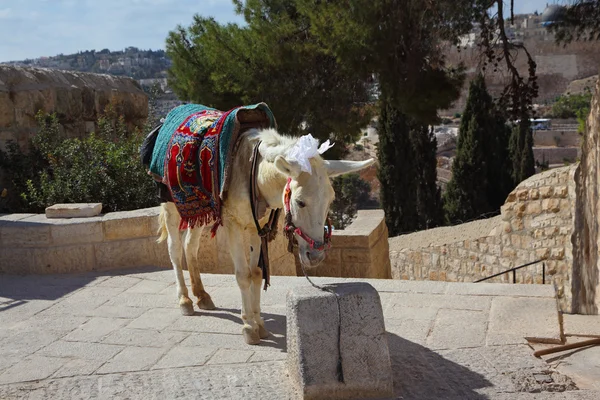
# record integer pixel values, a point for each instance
(24, 233)
(356, 255)
(355, 270)
(349, 240)
(64, 232)
(547, 191)
(130, 224)
(312, 342)
(534, 207)
(333, 256)
(54, 260)
(16, 260)
(76, 210)
(127, 253)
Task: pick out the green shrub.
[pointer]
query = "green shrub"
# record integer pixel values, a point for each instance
(572, 106)
(359, 147)
(103, 167)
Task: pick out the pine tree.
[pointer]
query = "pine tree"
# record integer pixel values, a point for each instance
(481, 174)
(397, 171)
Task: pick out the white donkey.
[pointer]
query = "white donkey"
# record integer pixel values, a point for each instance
(307, 206)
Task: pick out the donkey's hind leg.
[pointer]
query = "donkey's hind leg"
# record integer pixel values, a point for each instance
(175, 245)
(191, 247)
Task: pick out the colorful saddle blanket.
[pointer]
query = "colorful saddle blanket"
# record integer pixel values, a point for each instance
(192, 157)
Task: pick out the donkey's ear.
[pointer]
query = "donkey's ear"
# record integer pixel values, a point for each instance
(340, 167)
(287, 168)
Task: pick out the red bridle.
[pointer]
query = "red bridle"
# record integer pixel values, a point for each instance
(289, 228)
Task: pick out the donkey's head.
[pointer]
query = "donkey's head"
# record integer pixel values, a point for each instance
(308, 195)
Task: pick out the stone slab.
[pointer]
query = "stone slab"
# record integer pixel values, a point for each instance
(75, 210)
(582, 365)
(144, 338)
(458, 329)
(180, 356)
(514, 320)
(500, 289)
(31, 369)
(585, 325)
(312, 342)
(133, 359)
(95, 329)
(228, 356)
(157, 318)
(86, 351)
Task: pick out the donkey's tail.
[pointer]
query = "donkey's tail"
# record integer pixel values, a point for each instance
(162, 224)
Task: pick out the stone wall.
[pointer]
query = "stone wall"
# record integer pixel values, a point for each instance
(557, 138)
(536, 223)
(586, 262)
(34, 244)
(77, 98)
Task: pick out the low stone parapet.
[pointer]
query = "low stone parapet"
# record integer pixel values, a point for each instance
(359, 251)
(35, 244)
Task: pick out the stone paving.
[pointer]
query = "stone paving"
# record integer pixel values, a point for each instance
(121, 336)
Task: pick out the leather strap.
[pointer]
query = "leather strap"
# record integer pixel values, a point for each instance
(267, 232)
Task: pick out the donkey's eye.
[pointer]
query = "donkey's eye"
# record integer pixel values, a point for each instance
(300, 203)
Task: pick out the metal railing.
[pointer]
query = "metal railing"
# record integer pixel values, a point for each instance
(515, 273)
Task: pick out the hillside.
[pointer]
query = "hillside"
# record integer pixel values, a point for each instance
(132, 62)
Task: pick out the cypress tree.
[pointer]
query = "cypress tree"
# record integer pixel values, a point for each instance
(481, 172)
(407, 172)
(465, 196)
(499, 169)
(429, 203)
(396, 171)
(521, 150)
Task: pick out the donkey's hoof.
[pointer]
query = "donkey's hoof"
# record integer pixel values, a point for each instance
(263, 333)
(206, 303)
(186, 307)
(250, 336)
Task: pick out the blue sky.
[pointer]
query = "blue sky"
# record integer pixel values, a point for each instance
(34, 28)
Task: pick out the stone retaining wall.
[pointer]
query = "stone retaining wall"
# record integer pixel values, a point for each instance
(556, 138)
(536, 223)
(34, 244)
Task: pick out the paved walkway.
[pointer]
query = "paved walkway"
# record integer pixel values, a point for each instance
(121, 336)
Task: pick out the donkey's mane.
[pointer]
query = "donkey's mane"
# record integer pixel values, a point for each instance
(273, 143)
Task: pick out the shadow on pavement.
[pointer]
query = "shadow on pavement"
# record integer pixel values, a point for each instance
(275, 323)
(420, 373)
(16, 290)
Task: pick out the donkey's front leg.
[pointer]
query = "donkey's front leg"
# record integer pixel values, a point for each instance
(243, 276)
(255, 286)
